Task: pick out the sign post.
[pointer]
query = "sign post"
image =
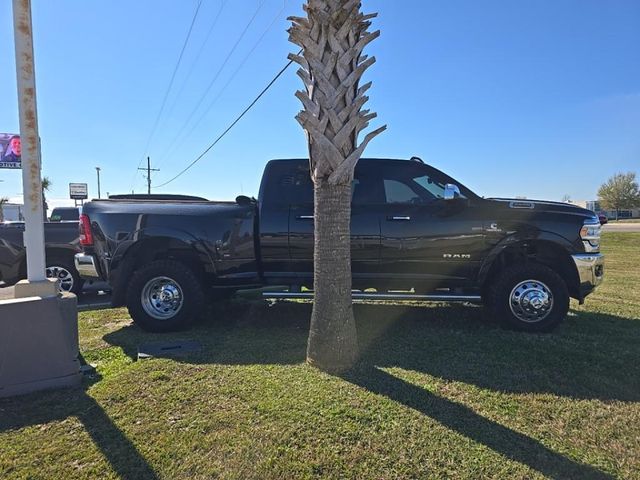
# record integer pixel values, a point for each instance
(30, 146)
(78, 191)
(39, 327)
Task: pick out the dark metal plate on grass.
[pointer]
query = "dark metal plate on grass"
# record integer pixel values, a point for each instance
(168, 349)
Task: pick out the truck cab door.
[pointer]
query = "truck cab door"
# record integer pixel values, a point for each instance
(427, 241)
(365, 235)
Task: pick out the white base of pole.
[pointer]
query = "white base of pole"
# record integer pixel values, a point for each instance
(38, 344)
(45, 288)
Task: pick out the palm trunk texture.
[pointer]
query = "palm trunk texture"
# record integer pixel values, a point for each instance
(332, 38)
(333, 341)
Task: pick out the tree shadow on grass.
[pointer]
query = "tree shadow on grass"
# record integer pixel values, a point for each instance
(591, 356)
(58, 405)
(509, 443)
(238, 333)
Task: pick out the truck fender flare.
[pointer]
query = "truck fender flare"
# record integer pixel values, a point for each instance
(519, 239)
(124, 258)
(154, 234)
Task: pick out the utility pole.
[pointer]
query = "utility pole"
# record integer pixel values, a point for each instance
(149, 170)
(98, 172)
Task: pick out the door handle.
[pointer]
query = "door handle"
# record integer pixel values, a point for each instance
(399, 218)
(304, 217)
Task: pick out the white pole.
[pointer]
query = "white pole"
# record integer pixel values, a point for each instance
(31, 180)
(98, 171)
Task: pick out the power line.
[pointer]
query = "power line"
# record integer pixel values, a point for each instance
(231, 52)
(264, 90)
(198, 55)
(215, 77)
(173, 76)
(174, 142)
(244, 60)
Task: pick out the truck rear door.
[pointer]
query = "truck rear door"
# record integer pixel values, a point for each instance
(365, 230)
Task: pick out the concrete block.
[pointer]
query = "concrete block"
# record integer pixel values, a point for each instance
(46, 288)
(38, 344)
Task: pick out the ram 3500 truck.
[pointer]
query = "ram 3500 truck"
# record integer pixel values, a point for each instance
(413, 229)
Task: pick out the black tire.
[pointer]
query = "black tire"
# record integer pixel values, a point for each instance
(65, 271)
(169, 281)
(510, 299)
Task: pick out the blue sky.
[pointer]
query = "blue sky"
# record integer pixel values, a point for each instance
(533, 98)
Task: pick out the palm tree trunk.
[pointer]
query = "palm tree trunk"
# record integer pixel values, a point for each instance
(333, 344)
(332, 38)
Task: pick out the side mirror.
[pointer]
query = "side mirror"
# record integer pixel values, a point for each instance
(451, 191)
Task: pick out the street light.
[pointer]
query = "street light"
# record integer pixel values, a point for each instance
(98, 173)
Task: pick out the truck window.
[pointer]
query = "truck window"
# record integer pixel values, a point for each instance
(435, 188)
(65, 214)
(296, 187)
(416, 188)
(366, 189)
(398, 192)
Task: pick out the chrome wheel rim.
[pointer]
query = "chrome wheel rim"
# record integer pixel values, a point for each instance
(161, 298)
(64, 276)
(531, 301)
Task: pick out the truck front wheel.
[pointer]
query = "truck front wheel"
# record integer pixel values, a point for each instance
(165, 296)
(530, 297)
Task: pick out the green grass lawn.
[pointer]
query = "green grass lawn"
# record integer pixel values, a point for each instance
(439, 393)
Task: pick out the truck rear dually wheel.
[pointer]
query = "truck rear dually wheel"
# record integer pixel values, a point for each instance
(68, 277)
(165, 296)
(530, 297)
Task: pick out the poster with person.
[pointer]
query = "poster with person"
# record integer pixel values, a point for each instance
(10, 150)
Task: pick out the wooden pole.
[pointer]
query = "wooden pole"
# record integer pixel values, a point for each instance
(149, 170)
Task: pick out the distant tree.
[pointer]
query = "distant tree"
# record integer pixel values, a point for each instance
(566, 198)
(620, 192)
(3, 200)
(46, 185)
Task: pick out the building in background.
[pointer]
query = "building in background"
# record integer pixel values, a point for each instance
(12, 212)
(594, 206)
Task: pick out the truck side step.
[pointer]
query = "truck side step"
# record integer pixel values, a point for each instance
(358, 295)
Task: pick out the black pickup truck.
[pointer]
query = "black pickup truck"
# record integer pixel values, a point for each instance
(61, 244)
(416, 234)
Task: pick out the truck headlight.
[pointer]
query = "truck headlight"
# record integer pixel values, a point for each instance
(590, 235)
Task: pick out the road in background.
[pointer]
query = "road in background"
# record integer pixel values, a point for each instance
(621, 227)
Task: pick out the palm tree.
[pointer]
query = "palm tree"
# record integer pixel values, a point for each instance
(3, 200)
(46, 185)
(332, 37)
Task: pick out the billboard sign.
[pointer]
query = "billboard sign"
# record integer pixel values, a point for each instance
(10, 150)
(78, 191)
